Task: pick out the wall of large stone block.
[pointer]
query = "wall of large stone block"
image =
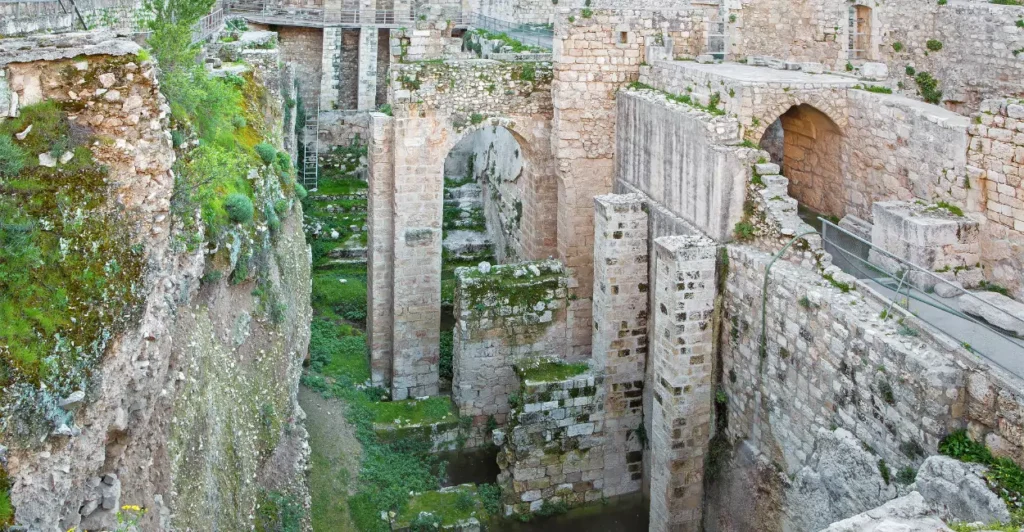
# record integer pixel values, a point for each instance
(505, 315)
(341, 128)
(976, 62)
(831, 362)
(995, 168)
(680, 157)
(594, 57)
(18, 18)
(303, 47)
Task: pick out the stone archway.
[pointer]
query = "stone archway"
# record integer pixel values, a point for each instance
(807, 145)
(407, 158)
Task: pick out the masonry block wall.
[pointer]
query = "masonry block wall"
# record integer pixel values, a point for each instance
(620, 333)
(552, 449)
(681, 377)
(678, 155)
(831, 361)
(380, 267)
(995, 160)
(594, 57)
(366, 71)
(298, 45)
(976, 60)
(509, 314)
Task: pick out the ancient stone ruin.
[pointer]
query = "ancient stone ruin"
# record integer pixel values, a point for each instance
(676, 266)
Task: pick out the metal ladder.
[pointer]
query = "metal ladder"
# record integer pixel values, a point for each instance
(311, 150)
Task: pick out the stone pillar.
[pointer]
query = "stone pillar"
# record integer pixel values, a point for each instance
(329, 69)
(367, 98)
(380, 222)
(620, 333)
(416, 296)
(682, 352)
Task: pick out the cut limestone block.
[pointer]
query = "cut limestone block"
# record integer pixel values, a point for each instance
(996, 309)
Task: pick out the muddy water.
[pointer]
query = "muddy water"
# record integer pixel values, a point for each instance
(621, 514)
(478, 466)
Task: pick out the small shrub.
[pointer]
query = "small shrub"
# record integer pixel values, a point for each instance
(385, 108)
(885, 390)
(273, 221)
(910, 70)
(490, 496)
(239, 208)
(804, 302)
(849, 66)
(897, 47)
(883, 469)
(942, 2)
(266, 151)
(586, 13)
(960, 446)
(177, 138)
(238, 121)
(744, 231)
(476, 118)
(906, 475)
(1006, 2)
(528, 72)
(874, 88)
(12, 158)
(933, 45)
(300, 191)
(928, 86)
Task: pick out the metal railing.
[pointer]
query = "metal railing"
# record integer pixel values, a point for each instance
(126, 16)
(539, 35)
(276, 12)
(913, 288)
(716, 37)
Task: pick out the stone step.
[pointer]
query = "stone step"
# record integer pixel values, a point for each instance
(764, 169)
(460, 242)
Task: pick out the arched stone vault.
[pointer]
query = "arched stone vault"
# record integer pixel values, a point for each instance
(830, 102)
(407, 175)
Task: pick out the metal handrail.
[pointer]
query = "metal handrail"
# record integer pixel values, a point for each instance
(876, 272)
(320, 16)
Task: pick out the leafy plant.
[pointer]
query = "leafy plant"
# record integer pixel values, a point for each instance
(960, 446)
(933, 45)
(897, 47)
(239, 208)
(928, 86)
(906, 475)
(12, 158)
(266, 151)
(910, 70)
(586, 12)
(744, 231)
(883, 469)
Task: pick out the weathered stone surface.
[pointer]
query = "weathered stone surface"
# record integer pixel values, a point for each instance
(43, 47)
(909, 513)
(957, 491)
(996, 309)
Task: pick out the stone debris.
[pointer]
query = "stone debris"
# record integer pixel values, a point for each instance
(47, 160)
(957, 491)
(24, 133)
(996, 309)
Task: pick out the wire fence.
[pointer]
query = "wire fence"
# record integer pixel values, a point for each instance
(917, 289)
(539, 35)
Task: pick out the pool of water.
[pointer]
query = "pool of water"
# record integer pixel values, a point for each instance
(477, 466)
(621, 514)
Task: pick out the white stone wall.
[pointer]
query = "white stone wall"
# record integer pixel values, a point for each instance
(680, 373)
(380, 264)
(621, 289)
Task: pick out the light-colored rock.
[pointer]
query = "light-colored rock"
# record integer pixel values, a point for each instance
(107, 80)
(909, 513)
(47, 160)
(957, 491)
(874, 71)
(996, 309)
(24, 133)
(949, 289)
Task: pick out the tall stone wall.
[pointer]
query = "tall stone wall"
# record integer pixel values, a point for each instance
(505, 315)
(380, 286)
(461, 89)
(902, 149)
(680, 374)
(830, 362)
(995, 160)
(304, 47)
(620, 344)
(17, 18)
(978, 40)
(594, 57)
(366, 71)
(681, 157)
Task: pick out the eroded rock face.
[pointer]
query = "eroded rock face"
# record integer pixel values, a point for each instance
(841, 478)
(957, 491)
(194, 411)
(909, 513)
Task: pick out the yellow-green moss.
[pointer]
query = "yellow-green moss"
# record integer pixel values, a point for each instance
(70, 274)
(549, 371)
(449, 507)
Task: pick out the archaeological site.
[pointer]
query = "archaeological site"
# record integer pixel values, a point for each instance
(512, 265)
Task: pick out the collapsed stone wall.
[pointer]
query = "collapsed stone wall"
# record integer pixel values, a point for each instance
(505, 315)
(830, 360)
(194, 413)
(976, 61)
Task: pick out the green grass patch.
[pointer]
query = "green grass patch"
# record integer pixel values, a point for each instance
(517, 46)
(341, 186)
(551, 371)
(70, 275)
(336, 354)
(1005, 478)
(414, 411)
(993, 287)
(448, 507)
(344, 295)
(874, 88)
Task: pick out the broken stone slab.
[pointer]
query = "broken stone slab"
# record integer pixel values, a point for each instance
(996, 309)
(107, 80)
(874, 71)
(53, 47)
(705, 58)
(949, 289)
(766, 168)
(23, 134)
(957, 491)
